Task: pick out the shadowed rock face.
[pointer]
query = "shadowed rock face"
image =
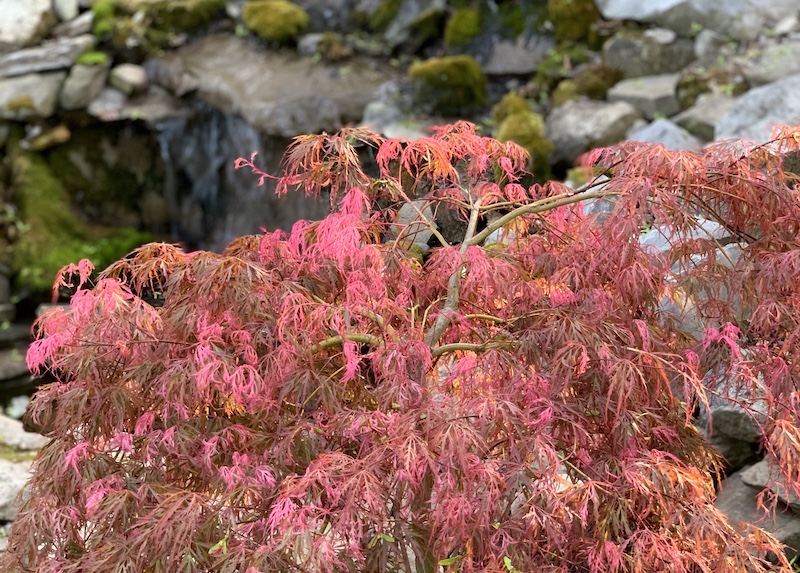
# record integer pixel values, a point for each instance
(278, 93)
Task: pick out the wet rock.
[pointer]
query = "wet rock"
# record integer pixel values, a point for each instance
(152, 107)
(83, 84)
(773, 63)
(651, 95)
(744, 19)
(668, 134)
(654, 52)
(277, 92)
(54, 55)
(32, 96)
(699, 120)
(738, 502)
(80, 25)
(755, 114)
(25, 22)
(762, 476)
(128, 78)
(582, 124)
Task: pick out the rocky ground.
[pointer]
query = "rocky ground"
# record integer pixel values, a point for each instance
(129, 113)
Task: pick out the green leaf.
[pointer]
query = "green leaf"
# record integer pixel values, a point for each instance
(451, 560)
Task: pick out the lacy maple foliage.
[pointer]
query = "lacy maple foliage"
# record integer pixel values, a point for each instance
(332, 400)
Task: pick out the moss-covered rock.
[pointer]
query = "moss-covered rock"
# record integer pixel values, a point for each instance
(93, 58)
(526, 128)
(274, 20)
(509, 104)
(698, 80)
(557, 66)
(565, 91)
(333, 47)
(383, 15)
(462, 26)
(594, 80)
(573, 19)
(451, 85)
(103, 13)
(175, 16)
(53, 235)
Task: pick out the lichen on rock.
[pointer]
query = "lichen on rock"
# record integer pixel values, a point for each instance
(274, 20)
(449, 85)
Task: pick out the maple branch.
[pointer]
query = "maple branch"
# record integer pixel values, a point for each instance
(536, 207)
(466, 347)
(454, 284)
(338, 340)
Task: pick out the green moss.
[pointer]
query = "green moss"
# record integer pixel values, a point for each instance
(557, 65)
(566, 90)
(461, 27)
(383, 16)
(21, 103)
(333, 47)
(452, 85)
(93, 58)
(12, 454)
(526, 128)
(573, 19)
(510, 103)
(53, 235)
(274, 20)
(177, 16)
(103, 12)
(594, 80)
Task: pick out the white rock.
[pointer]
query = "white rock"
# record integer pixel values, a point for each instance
(54, 55)
(651, 95)
(775, 62)
(25, 22)
(128, 78)
(13, 477)
(12, 434)
(83, 84)
(668, 134)
(756, 113)
(66, 9)
(80, 25)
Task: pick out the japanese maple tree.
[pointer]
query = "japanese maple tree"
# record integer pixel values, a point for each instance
(342, 398)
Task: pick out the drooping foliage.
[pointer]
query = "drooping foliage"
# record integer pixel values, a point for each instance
(329, 400)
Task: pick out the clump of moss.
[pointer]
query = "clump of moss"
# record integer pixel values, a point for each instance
(451, 85)
(93, 58)
(383, 16)
(333, 47)
(275, 20)
(573, 19)
(174, 16)
(526, 128)
(103, 12)
(461, 27)
(594, 80)
(565, 91)
(557, 66)
(20, 103)
(54, 236)
(697, 80)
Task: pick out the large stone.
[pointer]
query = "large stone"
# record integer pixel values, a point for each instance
(83, 84)
(668, 134)
(80, 25)
(13, 477)
(699, 120)
(55, 55)
(277, 92)
(24, 22)
(401, 28)
(32, 96)
(515, 57)
(66, 9)
(582, 124)
(130, 79)
(152, 107)
(12, 366)
(654, 52)
(755, 114)
(652, 95)
(738, 502)
(12, 434)
(762, 476)
(773, 63)
(738, 19)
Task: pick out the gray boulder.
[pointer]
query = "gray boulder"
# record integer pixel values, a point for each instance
(700, 119)
(80, 25)
(515, 57)
(762, 476)
(744, 19)
(152, 107)
(755, 113)
(32, 96)
(12, 434)
(583, 124)
(773, 63)
(55, 55)
(657, 51)
(13, 477)
(668, 134)
(737, 501)
(401, 28)
(651, 95)
(130, 79)
(83, 84)
(66, 9)
(25, 22)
